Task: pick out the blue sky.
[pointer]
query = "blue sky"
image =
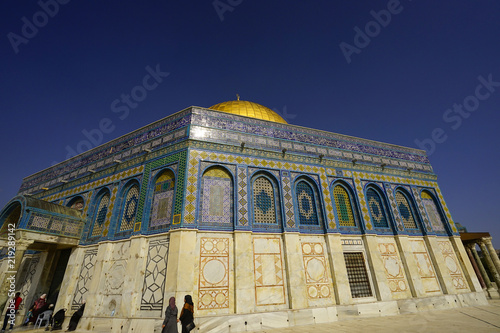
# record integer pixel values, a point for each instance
(404, 72)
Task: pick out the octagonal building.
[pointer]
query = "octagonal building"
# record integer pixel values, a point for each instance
(264, 223)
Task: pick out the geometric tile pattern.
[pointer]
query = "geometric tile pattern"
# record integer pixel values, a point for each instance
(362, 202)
(327, 199)
(451, 261)
(287, 196)
(425, 266)
(55, 225)
(130, 208)
(405, 211)
(172, 161)
(268, 271)
(316, 268)
(85, 277)
(264, 201)
(357, 275)
(163, 200)
(114, 190)
(377, 209)
(242, 196)
(432, 212)
(306, 204)
(217, 201)
(100, 215)
(421, 208)
(213, 288)
(97, 183)
(155, 275)
(393, 267)
(389, 189)
(344, 208)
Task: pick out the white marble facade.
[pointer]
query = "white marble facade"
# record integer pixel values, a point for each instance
(243, 280)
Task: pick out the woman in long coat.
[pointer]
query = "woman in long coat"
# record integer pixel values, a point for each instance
(170, 322)
(187, 312)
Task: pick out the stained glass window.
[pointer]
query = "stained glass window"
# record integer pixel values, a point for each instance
(306, 204)
(129, 208)
(217, 197)
(377, 210)
(432, 212)
(163, 200)
(344, 208)
(357, 275)
(405, 211)
(264, 201)
(100, 215)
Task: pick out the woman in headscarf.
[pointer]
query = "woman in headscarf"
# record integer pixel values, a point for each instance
(170, 322)
(187, 312)
(75, 318)
(38, 307)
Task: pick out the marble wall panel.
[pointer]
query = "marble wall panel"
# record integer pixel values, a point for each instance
(268, 270)
(86, 273)
(394, 270)
(213, 282)
(425, 267)
(453, 265)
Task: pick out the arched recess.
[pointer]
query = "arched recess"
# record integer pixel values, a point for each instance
(433, 212)
(308, 203)
(10, 216)
(266, 200)
(406, 209)
(217, 197)
(128, 209)
(377, 207)
(163, 200)
(346, 211)
(76, 203)
(102, 201)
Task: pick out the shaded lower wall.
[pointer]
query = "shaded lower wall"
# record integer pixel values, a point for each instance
(264, 280)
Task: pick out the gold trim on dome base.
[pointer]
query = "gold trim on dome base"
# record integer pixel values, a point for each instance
(249, 109)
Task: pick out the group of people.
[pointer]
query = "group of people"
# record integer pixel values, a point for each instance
(186, 317)
(56, 321)
(40, 306)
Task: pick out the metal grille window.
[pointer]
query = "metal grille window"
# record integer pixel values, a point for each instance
(130, 208)
(344, 208)
(405, 211)
(357, 274)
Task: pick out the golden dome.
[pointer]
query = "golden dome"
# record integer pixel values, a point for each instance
(249, 109)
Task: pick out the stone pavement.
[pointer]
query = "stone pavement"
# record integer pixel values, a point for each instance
(476, 319)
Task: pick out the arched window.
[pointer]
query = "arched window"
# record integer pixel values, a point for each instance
(217, 197)
(100, 213)
(265, 201)
(432, 211)
(377, 209)
(163, 200)
(345, 214)
(76, 203)
(308, 208)
(129, 208)
(405, 211)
